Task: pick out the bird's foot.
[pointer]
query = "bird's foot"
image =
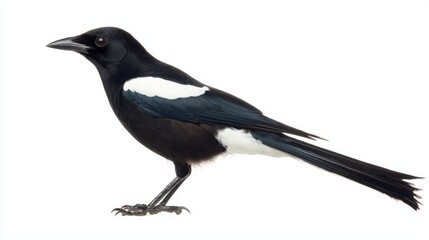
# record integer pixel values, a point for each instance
(142, 209)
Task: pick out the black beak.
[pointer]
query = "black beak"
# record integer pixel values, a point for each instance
(69, 44)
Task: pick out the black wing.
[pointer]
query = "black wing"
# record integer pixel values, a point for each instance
(213, 107)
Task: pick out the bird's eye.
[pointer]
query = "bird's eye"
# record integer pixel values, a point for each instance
(101, 41)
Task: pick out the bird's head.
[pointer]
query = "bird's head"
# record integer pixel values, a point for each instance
(108, 48)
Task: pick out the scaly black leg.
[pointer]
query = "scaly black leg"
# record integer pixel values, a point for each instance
(182, 171)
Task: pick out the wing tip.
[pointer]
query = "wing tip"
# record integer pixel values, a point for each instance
(315, 137)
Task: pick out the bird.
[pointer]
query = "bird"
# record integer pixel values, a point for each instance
(189, 122)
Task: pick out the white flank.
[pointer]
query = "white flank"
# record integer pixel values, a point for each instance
(239, 141)
(152, 86)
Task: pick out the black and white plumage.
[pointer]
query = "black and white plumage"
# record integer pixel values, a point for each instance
(187, 121)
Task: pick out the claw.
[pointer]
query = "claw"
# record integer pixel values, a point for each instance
(141, 210)
(118, 210)
(121, 211)
(176, 209)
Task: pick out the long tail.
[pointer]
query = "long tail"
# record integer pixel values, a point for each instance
(381, 179)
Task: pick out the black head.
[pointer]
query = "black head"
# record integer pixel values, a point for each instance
(109, 49)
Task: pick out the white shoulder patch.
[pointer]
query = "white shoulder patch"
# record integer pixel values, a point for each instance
(239, 141)
(153, 86)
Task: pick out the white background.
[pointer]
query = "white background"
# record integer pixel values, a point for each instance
(354, 73)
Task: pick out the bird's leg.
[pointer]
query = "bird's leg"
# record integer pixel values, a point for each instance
(170, 194)
(162, 206)
(153, 207)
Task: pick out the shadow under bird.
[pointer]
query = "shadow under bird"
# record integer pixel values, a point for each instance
(188, 122)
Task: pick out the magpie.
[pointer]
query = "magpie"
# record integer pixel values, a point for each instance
(188, 122)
